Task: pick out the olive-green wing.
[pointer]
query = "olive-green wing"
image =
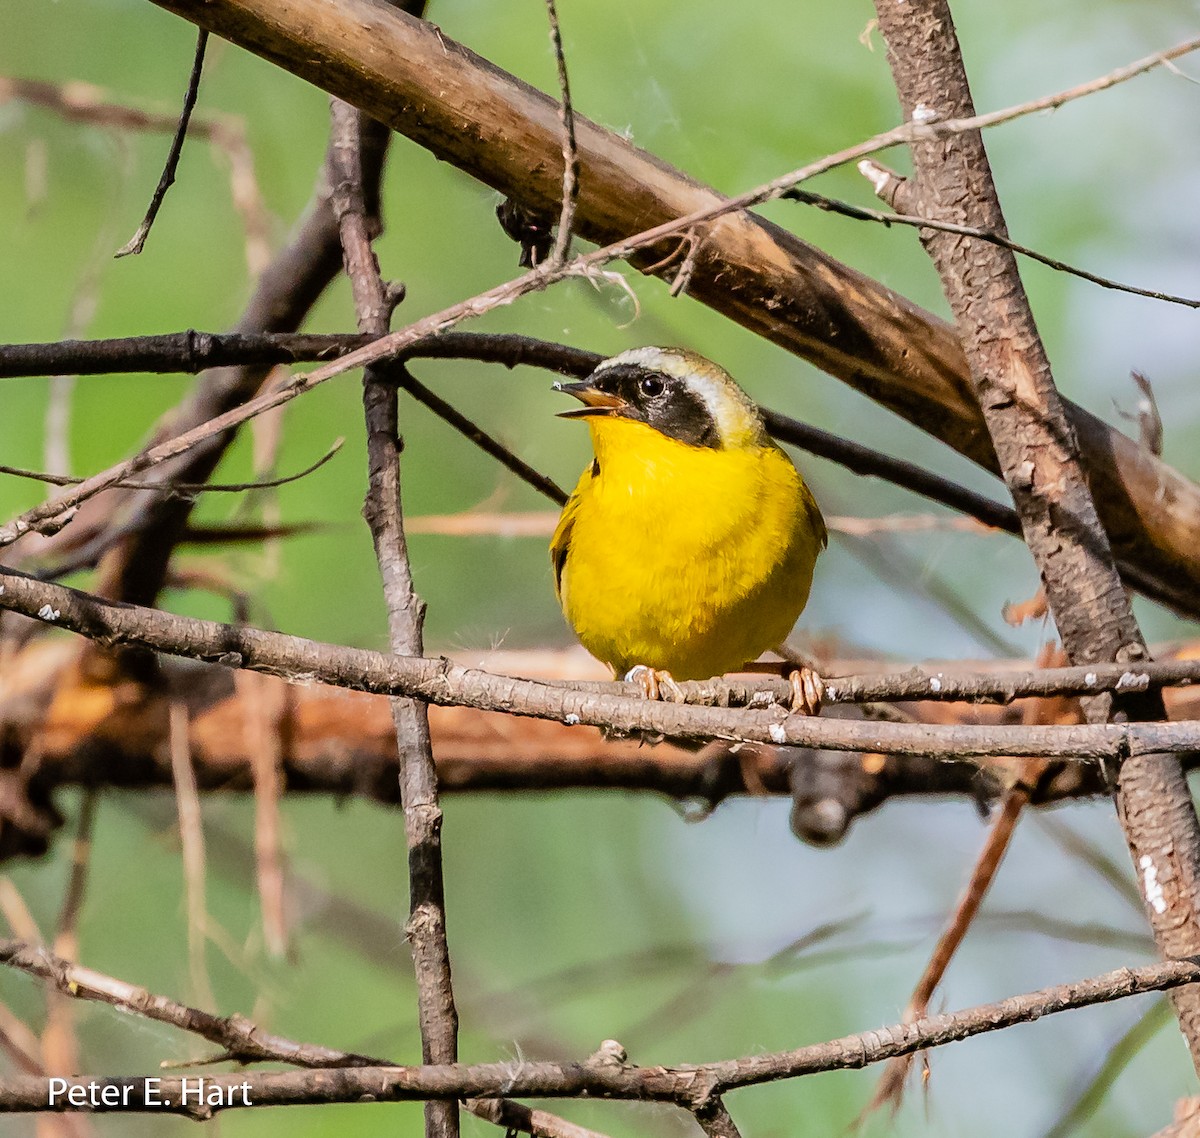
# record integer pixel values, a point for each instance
(812, 513)
(560, 543)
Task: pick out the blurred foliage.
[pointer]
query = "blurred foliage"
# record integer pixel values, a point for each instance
(573, 919)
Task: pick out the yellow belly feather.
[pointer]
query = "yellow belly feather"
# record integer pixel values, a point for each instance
(686, 559)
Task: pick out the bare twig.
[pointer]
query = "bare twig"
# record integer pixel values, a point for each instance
(570, 190)
(167, 179)
(191, 840)
(880, 176)
(183, 487)
(266, 726)
(485, 442)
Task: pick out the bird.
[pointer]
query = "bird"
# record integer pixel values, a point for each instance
(687, 548)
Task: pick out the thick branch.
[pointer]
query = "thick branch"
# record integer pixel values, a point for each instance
(1040, 460)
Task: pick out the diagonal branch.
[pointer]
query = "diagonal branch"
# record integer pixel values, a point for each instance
(240, 1039)
(138, 241)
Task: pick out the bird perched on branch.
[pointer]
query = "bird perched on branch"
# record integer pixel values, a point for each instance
(688, 546)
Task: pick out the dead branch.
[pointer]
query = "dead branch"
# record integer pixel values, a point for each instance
(570, 153)
(138, 241)
(439, 681)
(888, 183)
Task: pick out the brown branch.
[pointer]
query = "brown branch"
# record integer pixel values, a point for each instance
(138, 241)
(1039, 457)
(239, 1039)
(468, 112)
(190, 819)
(189, 352)
(439, 681)
(602, 1076)
(426, 927)
(471, 431)
(182, 487)
(715, 1120)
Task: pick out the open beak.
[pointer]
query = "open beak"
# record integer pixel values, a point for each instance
(595, 402)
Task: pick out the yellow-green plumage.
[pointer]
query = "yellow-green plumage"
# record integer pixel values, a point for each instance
(689, 559)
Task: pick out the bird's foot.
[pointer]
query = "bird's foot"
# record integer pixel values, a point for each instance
(808, 691)
(655, 684)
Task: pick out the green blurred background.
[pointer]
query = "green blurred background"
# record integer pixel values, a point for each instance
(577, 918)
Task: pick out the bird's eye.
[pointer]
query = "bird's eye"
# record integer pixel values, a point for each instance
(651, 387)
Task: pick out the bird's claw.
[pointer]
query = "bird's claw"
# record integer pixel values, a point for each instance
(655, 684)
(808, 691)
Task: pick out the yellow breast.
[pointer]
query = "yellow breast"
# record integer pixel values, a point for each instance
(687, 559)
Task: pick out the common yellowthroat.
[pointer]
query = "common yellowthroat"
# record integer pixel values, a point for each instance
(688, 546)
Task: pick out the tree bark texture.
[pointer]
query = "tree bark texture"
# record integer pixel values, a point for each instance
(1039, 457)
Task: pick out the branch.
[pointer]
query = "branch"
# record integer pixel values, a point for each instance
(1042, 465)
(602, 1076)
(885, 180)
(439, 681)
(241, 1040)
(570, 155)
(426, 926)
(138, 241)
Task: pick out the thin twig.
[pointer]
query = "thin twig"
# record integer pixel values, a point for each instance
(183, 487)
(874, 172)
(190, 818)
(487, 443)
(167, 179)
(265, 725)
(566, 113)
